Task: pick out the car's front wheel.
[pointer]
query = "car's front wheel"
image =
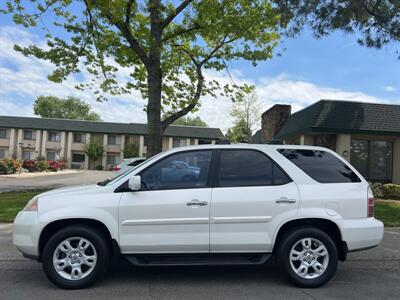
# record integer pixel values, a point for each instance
(307, 256)
(75, 257)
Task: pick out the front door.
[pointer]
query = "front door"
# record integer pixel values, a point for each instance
(251, 195)
(170, 214)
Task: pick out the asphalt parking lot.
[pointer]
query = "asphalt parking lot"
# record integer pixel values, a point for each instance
(52, 181)
(372, 274)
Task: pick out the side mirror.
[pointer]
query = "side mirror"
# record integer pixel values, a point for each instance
(135, 183)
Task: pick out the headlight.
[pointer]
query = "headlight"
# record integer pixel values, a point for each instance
(32, 205)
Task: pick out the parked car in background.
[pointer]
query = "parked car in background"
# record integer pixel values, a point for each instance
(127, 164)
(243, 204)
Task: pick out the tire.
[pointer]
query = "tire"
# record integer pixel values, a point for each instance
(93, 262)
(313, 267)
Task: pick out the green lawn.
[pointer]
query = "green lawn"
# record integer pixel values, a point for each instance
(12, 202)
(388, 212)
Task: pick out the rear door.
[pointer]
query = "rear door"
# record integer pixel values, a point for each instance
(250, 197)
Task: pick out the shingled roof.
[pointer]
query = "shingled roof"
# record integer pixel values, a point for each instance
(353, 117)
(105, 127)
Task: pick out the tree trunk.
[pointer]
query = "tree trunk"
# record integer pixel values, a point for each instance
(154, 144)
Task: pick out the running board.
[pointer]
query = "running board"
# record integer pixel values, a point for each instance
(198, 259)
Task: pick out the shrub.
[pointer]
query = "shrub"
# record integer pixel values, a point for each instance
(9, 166)
(42, 165)
(99, 167)
(63, 164)
(30, 165)
(131, 150)
(377, 189)
(391, 191)
(53, 165)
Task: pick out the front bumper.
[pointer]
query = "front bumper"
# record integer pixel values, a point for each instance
(362, 233)
(26, 233)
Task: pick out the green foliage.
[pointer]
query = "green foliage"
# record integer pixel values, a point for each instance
(69, 108)
(131, 150)
(165, 48)
(191, 121)
(377, 189)
(99, 167)
(9, 166)
(239, 133)
(377, 23)
(94, 150)
(42, 165)
(391, 191)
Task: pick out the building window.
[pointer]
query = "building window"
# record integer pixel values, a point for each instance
(3, 133)
(2, 153)
(373, 159)
(114, 139)
(113, 159)
(54, 136)
(28, 135)
(27, 155)
(78, 158)
(178, 142)
(51, 155)
(204, 142)
(80, 138)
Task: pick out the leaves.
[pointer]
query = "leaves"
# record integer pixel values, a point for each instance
(69, 108)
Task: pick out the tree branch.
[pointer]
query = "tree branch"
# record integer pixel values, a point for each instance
(219, 46)
(177, 33)
(187, 109)
(176, 12)
(128, 12)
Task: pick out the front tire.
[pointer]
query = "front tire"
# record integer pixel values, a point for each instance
(308, 256)
(75, 257)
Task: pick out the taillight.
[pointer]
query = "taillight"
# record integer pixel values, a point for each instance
(117, 168)
(370, 203)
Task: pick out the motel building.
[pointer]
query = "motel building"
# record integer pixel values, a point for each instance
(365, 134)
(26, 138)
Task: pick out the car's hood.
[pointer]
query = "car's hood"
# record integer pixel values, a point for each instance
(71, 189)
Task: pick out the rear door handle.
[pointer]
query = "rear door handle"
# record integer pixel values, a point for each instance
(285, 200)
(196, 202)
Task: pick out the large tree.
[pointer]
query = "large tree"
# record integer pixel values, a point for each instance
(166, 46)
(246, 111)
(68, 108)
(191, 121)
(376, 22)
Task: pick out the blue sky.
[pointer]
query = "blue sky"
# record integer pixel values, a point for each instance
(334, 67)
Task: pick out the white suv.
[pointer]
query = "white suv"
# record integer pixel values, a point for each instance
(211, 204)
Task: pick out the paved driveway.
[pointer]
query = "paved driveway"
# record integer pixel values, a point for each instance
(52, 181)
(372, 274)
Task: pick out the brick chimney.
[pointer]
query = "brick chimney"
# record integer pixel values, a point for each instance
(272, 121)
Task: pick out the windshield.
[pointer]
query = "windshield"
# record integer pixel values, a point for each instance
(110, 181)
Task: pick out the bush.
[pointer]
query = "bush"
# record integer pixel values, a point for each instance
(391, 191)
(42, 165)
(99, 167)
(30, 165)
(9, 166)
(131, 150)
(377, 189)
(53, 165)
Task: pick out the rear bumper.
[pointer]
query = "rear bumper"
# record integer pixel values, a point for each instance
(360, 234)
(26, 233)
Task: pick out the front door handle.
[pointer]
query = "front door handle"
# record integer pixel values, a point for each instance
(285, 200)
(196, 202)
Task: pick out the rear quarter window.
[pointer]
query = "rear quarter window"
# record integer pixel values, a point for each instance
(320, 165)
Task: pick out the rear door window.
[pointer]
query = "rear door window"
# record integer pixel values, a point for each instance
(321, 166)
(248, 168)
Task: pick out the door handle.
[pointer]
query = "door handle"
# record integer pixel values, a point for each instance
(285, 200)
(196, 202)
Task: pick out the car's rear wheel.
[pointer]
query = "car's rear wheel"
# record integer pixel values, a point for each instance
(75, 257)
(308, 256)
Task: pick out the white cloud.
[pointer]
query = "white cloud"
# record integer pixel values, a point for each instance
(22, 79)
(389, 88)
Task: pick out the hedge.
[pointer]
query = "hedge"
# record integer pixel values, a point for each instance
(391, 191)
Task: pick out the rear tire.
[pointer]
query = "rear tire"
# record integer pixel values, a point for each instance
(76, 256)
(307, 256)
